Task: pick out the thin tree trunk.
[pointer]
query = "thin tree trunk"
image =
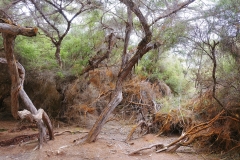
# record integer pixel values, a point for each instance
(58, 56)
(115, 100)
(46, 120)
(28, 103)
(30, 106)
(128, 31)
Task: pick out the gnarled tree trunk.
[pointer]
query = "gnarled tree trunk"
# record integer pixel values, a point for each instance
(17, 73)
(143, 47)
(16, 84)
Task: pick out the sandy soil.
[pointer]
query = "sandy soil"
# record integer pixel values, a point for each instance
(110, 145)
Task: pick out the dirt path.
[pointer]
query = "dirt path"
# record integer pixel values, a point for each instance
(110, 145)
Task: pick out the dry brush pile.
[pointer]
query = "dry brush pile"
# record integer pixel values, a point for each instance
(224, 133)
(211, 126)
(203, 121)
(92, 92)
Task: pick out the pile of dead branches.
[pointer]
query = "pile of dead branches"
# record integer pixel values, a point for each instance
(210, 126)
(171, 123)
(226, 130)
(140, 98)
(139, 95)
(187, 138)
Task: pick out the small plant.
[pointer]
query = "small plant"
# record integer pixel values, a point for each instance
(60, 74)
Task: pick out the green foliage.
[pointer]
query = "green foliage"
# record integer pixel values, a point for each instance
(4, 2)
(60, 74)
(169, 33)
(227, 65)
(169, 69)
(172, 74)
(230, 4)
(1, 42)
(35, 52)
(77, 48)
(167, 104)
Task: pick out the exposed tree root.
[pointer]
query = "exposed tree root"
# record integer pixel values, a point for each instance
(158, 146)
(26, 138)
(68, 131)
(18, 140)
(186, 138)
(24, 127)
(40, 117)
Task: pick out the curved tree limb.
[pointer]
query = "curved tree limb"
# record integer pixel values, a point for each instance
(143, 47)
(8, 41)
(17, 73)
(173, 10)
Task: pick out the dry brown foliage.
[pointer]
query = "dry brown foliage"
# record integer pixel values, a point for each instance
(186, 138)
(171, 123)
(89, 94)
(94, 90)
(209, 125)
(77, 112)
(163, 124)
(226, 130)
(140, 97)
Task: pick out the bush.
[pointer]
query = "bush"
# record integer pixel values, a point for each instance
(168, 69)
(35, 52)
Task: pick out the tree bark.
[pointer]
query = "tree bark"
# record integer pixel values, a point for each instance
(28, 103)
(128, 31)
(17, 30)
(115, 100)
(58, 56)
(8, 41)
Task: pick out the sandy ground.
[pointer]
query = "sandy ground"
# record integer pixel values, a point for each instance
(110, 145)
